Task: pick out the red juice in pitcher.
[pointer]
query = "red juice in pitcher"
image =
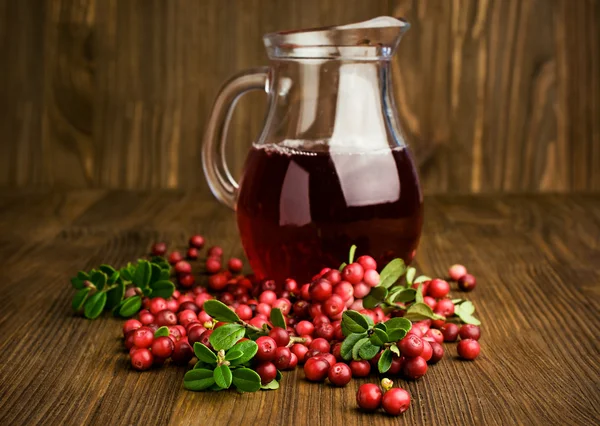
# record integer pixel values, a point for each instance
(299, 211)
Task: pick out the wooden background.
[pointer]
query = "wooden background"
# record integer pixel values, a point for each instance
(495, 95)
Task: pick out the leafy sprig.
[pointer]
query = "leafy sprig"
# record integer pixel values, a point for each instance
(103, 289)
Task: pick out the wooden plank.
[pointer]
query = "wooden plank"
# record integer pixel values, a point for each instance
(535, 258)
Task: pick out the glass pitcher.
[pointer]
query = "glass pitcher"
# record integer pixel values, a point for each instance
(331, 167)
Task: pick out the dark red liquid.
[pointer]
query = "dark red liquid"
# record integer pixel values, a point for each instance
(300, 211)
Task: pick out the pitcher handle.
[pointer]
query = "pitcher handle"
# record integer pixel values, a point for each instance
(219, 179)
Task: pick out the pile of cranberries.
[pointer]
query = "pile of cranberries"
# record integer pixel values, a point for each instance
(313, 313)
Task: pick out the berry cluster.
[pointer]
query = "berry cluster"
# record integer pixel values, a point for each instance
(312, 330)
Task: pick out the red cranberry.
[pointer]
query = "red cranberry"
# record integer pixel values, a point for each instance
(339, 374)
(438, 288)
(321, 290)
(189, 306)
(235, 265)
(201, 298)
(305, 327)
(430, 301)
(205, 338)
(129, 340)
(328, 357)
(307, 339)
(268, 285)
(157, 304)
(162, 347)
(141, 359)
(438, 323)
(215, 251)
(293, 362)
(281, 336)
(395, 401)
(283, 357)
(316, 369)
(360, 290)
(186, 281)
(264, 309)
(182, 352)
(244, 312)
(217, 282)
(360, 368)
(369, 397)
(324, 331)
(434, 335)
(397, 363)
(411, 345)
(333, 306)
(344, 290)
(367, 262)
(427, 351)
(333, 276)
(300, 351)
(312, 353)
(158, 249)
(444, 307)
(172, 305)
(414, 368)
(192, 253)
(266, 348)
(213, 265)
(469, 331)
(455, 272)
(268, 297)
(450, 332)
(319, 344)
(467, 349)
(284, 305)
(438, 353)
(305, 291)
(315, 310)
(320, 319)
(300, 308)
(143, 337)
(196, 241)
(353, 273)
(166, 317)
(267, 372)
(226, 298)
(467, 282)
(175, 257)
(291, 285)
(195, 334)
(258, 322)
(130, 325)
(146, 318)
(338, 334)
(187, 316)
(336, 351)
(371, 278)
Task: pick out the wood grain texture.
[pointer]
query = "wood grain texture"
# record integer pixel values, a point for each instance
(535, 257)
(494, 95)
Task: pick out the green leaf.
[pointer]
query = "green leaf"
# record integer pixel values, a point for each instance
(155, 273)
(379, 337)
(220, 311)
(223, 376)
(369, 320)
(113, 277)
(233, 355)
(248, 348)
(419, 295)
(161, 332)
(141, 276)
(277, 318)
(467, 307)
(165, 274)
(342, 266)
(271, 385)
(107, 269)
(465, 312)
(202, 364)
(203, 353)
(162, 289)
(98, 278)
(368, 350)
(421, 279)
(381, 326)
(94, 305)
(354, 322)
(404, 296)
(392, 273)
(115, 295)
(397, 328)
(351, 254)
(420, 311)
(126, 273)
(410, 275)
(394, 349)
(457, 301)
(357, 346)
(83, 276)
(246, 380)
(375, 297)
(348, 344)
(79, 299)
(226, 336)
(385, 361)
(198, 379)
(130, 306)
(77, 283)
(278, 376)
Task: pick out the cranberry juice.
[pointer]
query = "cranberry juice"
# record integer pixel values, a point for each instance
(299, 211)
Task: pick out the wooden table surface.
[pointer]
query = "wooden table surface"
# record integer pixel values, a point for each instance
(536, 257)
